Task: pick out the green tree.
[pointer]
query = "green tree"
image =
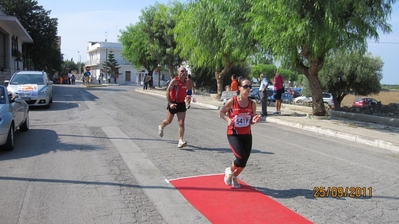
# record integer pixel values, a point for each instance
(43, 53)
(150, 43)
(303, 32)
(351, 73)
(266, 69)
(137, 49)
(214, 35)
(111, 65)
(160, 21)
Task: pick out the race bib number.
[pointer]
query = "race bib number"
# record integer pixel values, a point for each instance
(242, 120)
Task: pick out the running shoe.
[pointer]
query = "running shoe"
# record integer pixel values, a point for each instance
(160, 131)
(181, 144)
(235, 183)
(227, 176)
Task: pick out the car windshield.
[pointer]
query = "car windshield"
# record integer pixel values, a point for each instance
(21, 79)
(326, 95)
(358, 99)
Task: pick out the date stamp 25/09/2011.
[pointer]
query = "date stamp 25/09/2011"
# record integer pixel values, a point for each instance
(339, 192)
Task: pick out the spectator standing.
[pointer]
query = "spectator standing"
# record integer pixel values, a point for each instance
(115, 77)
(69, 78)
(145, 84)
(73, 79)
(263, 93)
(234, 83)
(87, 75)
(278, 81)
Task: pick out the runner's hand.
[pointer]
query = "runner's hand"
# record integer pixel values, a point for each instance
(256, 119)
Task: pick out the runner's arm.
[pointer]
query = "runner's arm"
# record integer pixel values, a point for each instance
(171, 85)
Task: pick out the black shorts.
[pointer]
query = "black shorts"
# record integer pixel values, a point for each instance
(278, 93)
(181, 107)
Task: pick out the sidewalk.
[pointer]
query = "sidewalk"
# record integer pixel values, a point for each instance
(377, 135)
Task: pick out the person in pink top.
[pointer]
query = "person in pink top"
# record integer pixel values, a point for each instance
(278, 81)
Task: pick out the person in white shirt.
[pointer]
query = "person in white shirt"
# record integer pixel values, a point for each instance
(263, 93)
(69, 78)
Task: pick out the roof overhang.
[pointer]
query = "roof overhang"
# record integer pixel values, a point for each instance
(12, 25)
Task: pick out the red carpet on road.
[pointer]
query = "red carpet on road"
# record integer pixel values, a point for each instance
(223, 204)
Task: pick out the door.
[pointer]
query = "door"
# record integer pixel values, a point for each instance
(127, 76)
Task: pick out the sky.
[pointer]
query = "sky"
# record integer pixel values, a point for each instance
(81, 21)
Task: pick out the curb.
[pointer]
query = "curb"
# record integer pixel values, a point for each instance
(337, 134)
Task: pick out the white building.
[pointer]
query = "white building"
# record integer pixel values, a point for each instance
(97, 54)
(12, 36)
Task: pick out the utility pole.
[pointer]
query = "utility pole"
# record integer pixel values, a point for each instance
(106, 65)
(80, 62)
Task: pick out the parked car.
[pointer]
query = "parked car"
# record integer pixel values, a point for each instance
(14, 114)
(255, 94)
(365, 102)
(32, 86)
(305, 100)
(286, 98)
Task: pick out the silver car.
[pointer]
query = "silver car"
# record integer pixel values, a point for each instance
(32, 86)
(14, 114)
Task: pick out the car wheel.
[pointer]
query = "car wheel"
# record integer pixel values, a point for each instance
(25, 125)
(299, 102)
(48, 105)
(51, 99)
(9, 146)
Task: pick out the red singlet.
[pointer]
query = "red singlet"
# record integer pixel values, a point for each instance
(242, 119)
(178, 93)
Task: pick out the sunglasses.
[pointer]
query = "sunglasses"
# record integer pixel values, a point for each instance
(183, 71)
(247, 86)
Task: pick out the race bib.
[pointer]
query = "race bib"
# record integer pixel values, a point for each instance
(242, 120)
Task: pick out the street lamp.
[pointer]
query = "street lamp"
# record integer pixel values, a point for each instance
(80, 62)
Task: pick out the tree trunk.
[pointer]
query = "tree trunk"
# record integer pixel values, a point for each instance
(171, 70)
(150, 84)
(311, 73)
(338, 97)
(159, 77)
(219, 84)
(318, 108)
(219, 80)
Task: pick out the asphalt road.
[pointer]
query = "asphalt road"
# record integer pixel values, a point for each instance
(95, 157)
